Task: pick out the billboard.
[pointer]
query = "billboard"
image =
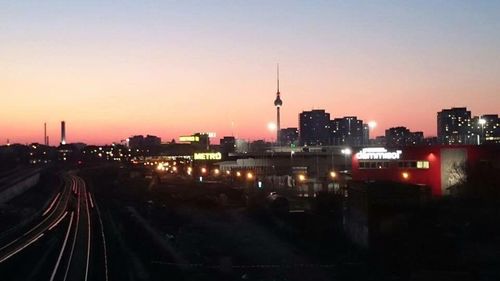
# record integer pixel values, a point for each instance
(378, 153)
(452, 168)
(189, 138)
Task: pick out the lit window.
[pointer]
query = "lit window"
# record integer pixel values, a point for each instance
(423, 165)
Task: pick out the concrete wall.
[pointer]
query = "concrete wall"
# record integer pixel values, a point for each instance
(18, 187)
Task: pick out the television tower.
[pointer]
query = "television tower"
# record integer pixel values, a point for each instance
(278, 103)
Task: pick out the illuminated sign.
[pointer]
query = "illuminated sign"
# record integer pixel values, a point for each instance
(208, 156)
(377, 153)
(189, 138)
(210, 134)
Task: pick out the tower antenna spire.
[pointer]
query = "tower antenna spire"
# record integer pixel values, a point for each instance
(278, 76)
(278, 103)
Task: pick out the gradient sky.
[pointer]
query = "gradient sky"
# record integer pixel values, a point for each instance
(176, 67)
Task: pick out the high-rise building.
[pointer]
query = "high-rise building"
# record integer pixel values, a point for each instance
(314, 127)
(454, 126)
(227, 145)
(242, 146)
(366, 134)
(136, 141)
(150, 141)
(203, 140)
(348, 130)
(140, 141)
(417, 138)
(289, 136)
(402, 136)
(63, 133)
(278, 103)
(486, 128)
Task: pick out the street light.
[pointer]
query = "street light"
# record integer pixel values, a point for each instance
(160, 167)
(249, 175)
(481, 122)
(302, 178)
(271, 126)
(371, 125)
(346, 152)
(333, 174)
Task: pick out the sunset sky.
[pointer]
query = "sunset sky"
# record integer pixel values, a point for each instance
(176, 67)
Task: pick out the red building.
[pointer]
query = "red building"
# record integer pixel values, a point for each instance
(439, 167)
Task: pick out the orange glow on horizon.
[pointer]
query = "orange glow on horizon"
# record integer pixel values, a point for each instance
(170, 69)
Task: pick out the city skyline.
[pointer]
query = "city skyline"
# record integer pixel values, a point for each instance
(171, 69)
(216, 137)
(249, 140)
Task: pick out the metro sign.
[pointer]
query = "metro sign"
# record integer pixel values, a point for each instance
(376, 153)
(208, 156)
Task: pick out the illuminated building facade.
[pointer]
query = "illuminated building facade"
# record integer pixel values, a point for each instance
(348, 130)
(454, 126)
(440, 167)
(487, 128)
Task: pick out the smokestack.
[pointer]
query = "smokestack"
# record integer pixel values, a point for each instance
(63, 132)
(47, 140)
(45, 133)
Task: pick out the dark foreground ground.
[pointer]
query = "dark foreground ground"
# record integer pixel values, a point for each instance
(179, 230)
(192, 232)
